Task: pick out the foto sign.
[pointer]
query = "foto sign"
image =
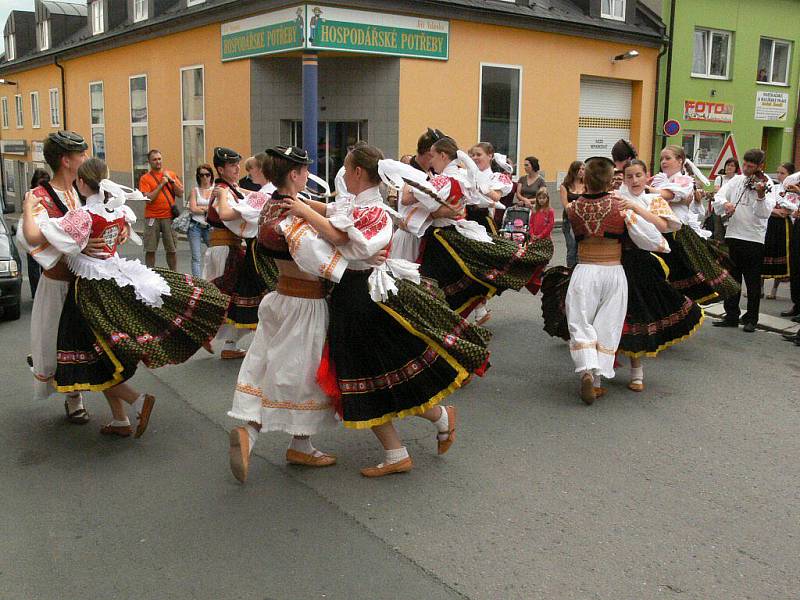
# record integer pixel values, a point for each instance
(317, 27)
(700, 110)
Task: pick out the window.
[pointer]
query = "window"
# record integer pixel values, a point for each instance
(55, 118)
(11, 47)
(43, 34)
(4, 111)
(703, 148)
(139, 10)
(35, 122)
(193, 127)
(98, 120)
(711, 53)
(10, 177)
(613, 9)
(18, 107)
(139, 140)
(773, 61)
(96, 15)
(499, 108)
(336, 139)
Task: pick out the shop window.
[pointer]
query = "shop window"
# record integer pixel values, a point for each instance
(35, 121)
(773, 61)
(139, 10)
(334, 140)
(703, 148)
(18, 107)
(43, 33)
(4, 111)
(499, 107)
(139, 134)
(11, 47)
(55, 116)
(613, 9)
(96, 10)
(193, 126)
(711, 53)
(98, 120)
(10, 176)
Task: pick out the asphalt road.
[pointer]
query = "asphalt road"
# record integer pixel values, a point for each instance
(688, 490)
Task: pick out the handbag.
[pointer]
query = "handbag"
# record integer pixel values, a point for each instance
(181, 223)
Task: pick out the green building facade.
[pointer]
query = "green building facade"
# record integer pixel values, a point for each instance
(732, 68)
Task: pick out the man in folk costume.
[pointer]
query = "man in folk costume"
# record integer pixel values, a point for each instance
(64, 152)
(597, 297)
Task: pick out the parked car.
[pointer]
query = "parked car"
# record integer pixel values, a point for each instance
(10, 273)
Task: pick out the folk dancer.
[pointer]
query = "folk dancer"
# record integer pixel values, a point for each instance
(778, 240)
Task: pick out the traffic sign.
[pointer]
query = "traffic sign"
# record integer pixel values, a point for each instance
(671, 128)
(728, 151)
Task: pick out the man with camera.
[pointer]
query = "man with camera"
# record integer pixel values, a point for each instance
(746, 201)
(161, 187)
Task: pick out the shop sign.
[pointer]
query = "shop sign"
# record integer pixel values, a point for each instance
(318, 27)
(278, 31)
(37, 151)
(699, 110)
(771, 106)
(376, 33)
(14, 147)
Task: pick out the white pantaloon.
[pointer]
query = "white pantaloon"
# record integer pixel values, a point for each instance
(596, 304)
(45, 316)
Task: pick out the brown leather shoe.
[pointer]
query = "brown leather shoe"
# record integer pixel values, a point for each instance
(232, 354)
(293, 457)
(207, 347)
(404, 466)
(78, 417)
(239, 453)
(144, 416)
(599, 392)
(118, 430)
(587, 389)
(636, 386)
(444, 445)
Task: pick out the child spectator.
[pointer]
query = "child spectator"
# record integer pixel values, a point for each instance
(542, 218)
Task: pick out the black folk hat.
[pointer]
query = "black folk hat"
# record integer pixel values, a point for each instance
(291, 153)
(224, 156)
(68, 140)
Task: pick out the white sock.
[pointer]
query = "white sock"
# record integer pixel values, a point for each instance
(443, 425)
(637, 374)
(302, 444)
(74, 403)
(597, 381)
(395, 456)
(252, 433)
(124, 423)
(138, 404)
(480, 311)
(230, 345)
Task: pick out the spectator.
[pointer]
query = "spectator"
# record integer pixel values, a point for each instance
(543, 218)
(569, 191)
(40, 177)
(744, 200)
(729, 170)
(247, 182)
(161, 189)
(406, 159)
(199, 228)
(530, 183)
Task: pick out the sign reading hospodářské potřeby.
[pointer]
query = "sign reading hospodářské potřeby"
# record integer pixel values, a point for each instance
(279, 31)
(376, 33)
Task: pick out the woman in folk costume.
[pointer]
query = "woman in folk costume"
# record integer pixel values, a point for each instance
(235, 269)
(469, 264)
(778, 239)
(277, 387)
(597, 297)
(395, 350)
(695, 266)
(119, 312)
(658, 316)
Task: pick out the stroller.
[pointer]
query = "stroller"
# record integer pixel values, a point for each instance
(516, 225)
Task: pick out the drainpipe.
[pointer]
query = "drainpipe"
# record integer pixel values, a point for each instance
(63, 93)
(655, 106)
(668, 80)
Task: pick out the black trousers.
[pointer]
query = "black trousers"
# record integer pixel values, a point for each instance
(747, 258)
(794, 264)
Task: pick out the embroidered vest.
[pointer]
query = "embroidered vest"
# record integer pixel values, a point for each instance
(212, 217)
(269, 233)
(597, 216)
(53, 205)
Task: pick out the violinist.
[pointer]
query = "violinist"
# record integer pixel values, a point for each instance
(746, 201)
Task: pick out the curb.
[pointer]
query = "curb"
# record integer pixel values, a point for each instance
(765, 322)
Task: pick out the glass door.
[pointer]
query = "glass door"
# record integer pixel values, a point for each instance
(334, 140)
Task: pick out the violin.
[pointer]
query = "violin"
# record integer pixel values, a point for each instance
(759, 177)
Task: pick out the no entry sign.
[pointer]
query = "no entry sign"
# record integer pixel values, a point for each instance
(671, 128)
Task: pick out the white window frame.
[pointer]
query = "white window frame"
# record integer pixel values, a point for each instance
(55, 107)
(43, 29)
(94, 126)
(202, 122)
(772, 61)
(710, 31)
(696, 145)
(97, 16)
(19, 110)
(146, 123)
(36, 120)
(11, 47)
(519, 102)
(140, 10)
(194, 2)
(611, 15)
(4, 111)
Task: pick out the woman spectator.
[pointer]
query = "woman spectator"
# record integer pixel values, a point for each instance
(40, 177)
(570, 190)
(198, 205)
(530, 183)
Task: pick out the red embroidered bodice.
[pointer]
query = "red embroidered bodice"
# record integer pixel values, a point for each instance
(53, 211)
(455, 196)
(108, 230)
(596, 215)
